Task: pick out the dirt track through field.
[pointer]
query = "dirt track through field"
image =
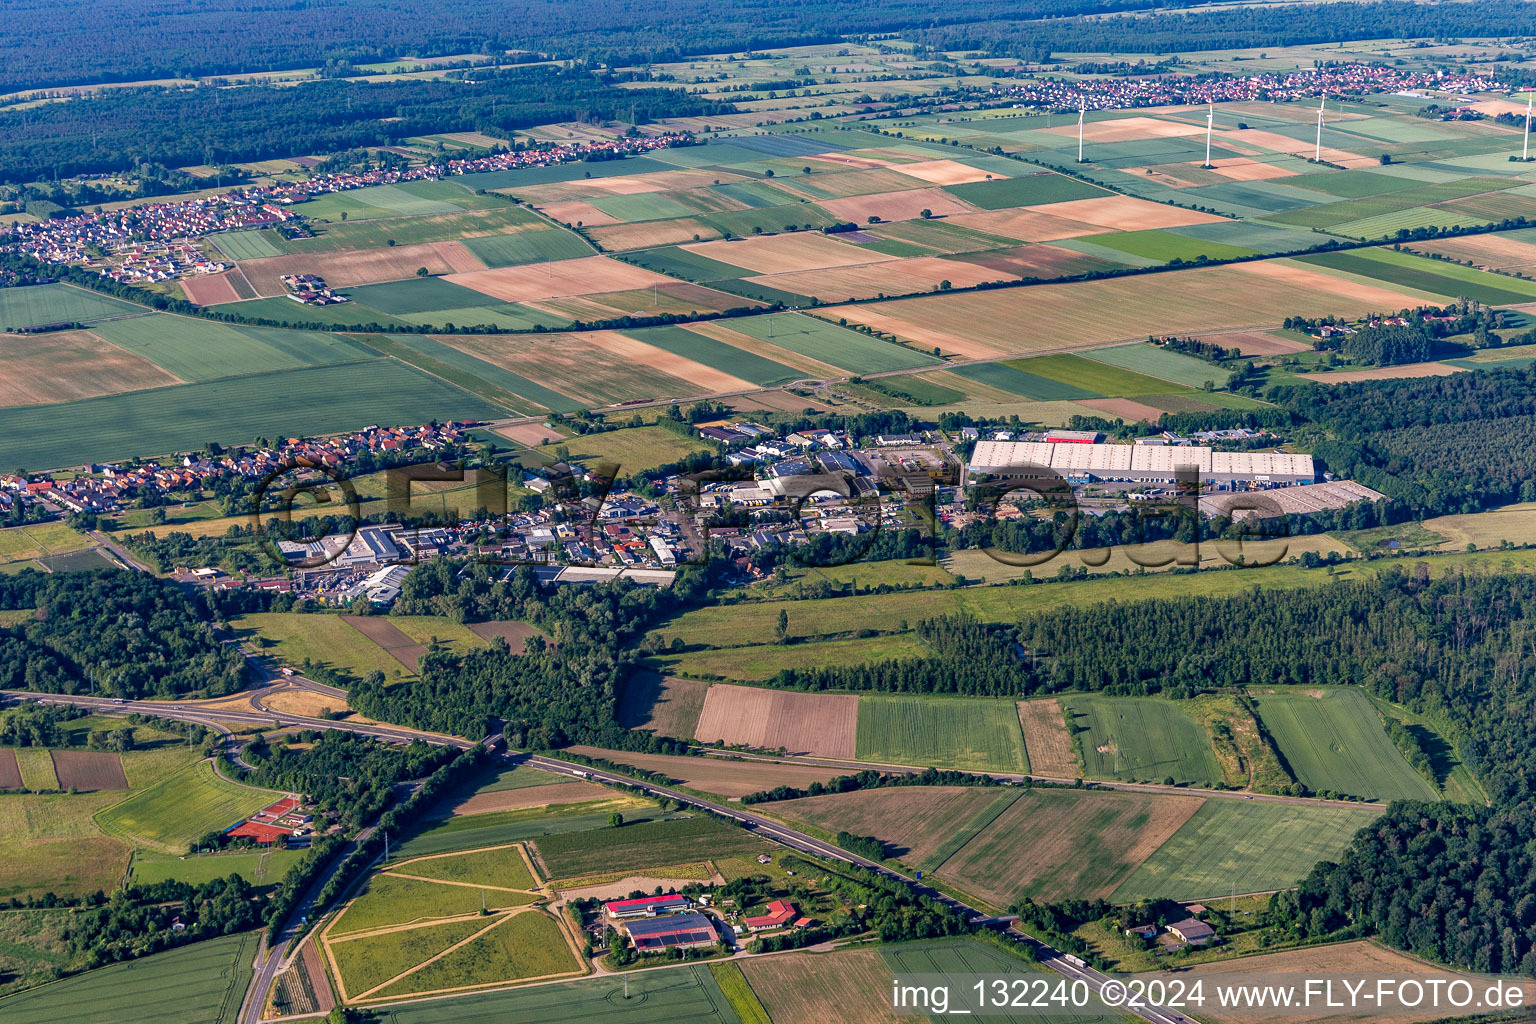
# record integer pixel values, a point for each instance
(802, 723)
(388, 636)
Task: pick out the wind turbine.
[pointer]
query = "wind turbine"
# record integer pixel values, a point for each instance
(1082, 113)
(1321, 103)
(1525, 152)
(1210, 122)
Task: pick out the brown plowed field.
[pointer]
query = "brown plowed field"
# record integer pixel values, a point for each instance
(719, 775)
(801, 723)
(346, 269)
(514, 633)
(10, 772)
(1240, 168)
(88, 770)
(62, 366)
(388, 636)
(1259, 343)
(1045, 737)
(1041, 261)
(582, 276)
(210, 290)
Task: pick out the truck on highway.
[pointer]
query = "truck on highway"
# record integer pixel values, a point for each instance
(1075, 961)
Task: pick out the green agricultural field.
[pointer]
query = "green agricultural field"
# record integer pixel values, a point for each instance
(633, 448)
(248, 245)
(637, 847)
(1028, 189)
(496, 828)
(526, 945)
(916, 389)
(520, 777)
(1436, 276)
(684, 995)
(1152, 361)
(1336, 742)
(388, 900)
(285, 311)
(366, 963)
(762, 662)
(415, 295)
(1167, 246)
(1110, 380)
(1141, 739)
(182, 808)
(202, 350)
(473, 373)
(264, 867)
(202, 983)
(503, 867)
(53, 845)
(1009, 377)
(944, 732)
(527, 247)
(849, 350)
(717, 355)
(57, 303)
(448, 227)
(1236, 846)
(963, 956)
(302, 402)
(679, 262)
(292, 637)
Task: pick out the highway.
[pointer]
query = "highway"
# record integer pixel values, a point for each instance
(268, 969)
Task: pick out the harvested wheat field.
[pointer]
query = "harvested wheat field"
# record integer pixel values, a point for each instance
(581, 276)
(599, 368)
(646, 233)
(947, 172)
(778, 401)
(530, 435)
(1258, 343)
(719, 775)
(1491, 252)
(1241, 168)
(1401, 371)
(459, 259)
(662, 704)
(574, 211)
(850, 986)
(88, 770)
(904, 205)
(1051, 844)
(677, 297)
(1124, 408)
(1046, 739)
(527, 796)
(210, 290)
(1126, 213)
(1128, 129)
(308, 703)
(1029, 225)
(1044, 262)
(1087, 314)
(347, 269)
(1255, 142)
(1352, 958)
(783, 254)
(890, 277)
(61, 366)
(924, 825)
(819, 724)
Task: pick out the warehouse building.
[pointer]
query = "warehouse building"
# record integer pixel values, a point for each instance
(1081, 464)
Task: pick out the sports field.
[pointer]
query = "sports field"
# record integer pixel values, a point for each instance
(208, 980)
(313, 400)
(943, 732)
(1334, 741)
(1243, 846)
(182, 808)
(1145, 739)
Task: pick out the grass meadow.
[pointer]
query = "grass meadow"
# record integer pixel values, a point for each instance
(946, 732)
(1141, 739)
(645, 845)
(1334, 741)
(182, 808)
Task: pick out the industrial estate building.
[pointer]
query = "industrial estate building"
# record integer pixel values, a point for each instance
(1084, 463)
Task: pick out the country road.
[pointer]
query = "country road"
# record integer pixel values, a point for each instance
(774, 831)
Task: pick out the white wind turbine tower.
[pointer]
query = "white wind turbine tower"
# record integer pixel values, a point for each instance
(1210, 122)
(1321, 103)
(1082, 113)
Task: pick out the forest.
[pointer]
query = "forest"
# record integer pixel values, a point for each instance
(122, 128)
(49, 44)
(116, 634)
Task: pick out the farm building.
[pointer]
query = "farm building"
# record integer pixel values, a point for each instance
(678, 931)
(648, 906)
(1136, 464)
(1192, 931)
(780, 913)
